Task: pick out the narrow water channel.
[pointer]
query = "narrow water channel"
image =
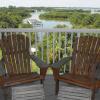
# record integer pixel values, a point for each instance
(48, 23)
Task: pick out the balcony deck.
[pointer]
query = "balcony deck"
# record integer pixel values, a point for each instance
(49, 86)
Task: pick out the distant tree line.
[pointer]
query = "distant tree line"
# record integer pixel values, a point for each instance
(78, 18)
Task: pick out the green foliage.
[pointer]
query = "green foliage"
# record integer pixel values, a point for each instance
(88, 20)
(7, 21)
(97, 24)
(58, 47)
(11, 17)
(34, 68)
(78, 18)
(61, 26)
(25, 26)
(54, 15)
(0, 54)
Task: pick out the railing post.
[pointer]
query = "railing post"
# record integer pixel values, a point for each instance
(36, 42)
(0, 35)
(47, 48)
(30, 47)
(71, 51)
(30, 42)
(59, 44)
(53, 47)
(42, 46)
(65, 54)
(65, 43)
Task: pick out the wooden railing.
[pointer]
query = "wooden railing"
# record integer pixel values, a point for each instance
(51, 45)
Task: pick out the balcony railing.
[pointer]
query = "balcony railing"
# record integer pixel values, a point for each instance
(51, 45)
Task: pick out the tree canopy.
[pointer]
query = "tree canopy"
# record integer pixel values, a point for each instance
(11, 17)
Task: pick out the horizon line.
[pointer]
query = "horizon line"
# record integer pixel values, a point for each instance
(48, 7)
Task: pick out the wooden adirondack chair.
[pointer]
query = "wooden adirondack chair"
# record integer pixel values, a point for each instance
(85, 58)
(16, 61)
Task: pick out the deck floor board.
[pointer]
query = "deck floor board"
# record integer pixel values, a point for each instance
(49, 85)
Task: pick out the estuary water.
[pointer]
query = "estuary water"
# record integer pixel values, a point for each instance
(48, 23)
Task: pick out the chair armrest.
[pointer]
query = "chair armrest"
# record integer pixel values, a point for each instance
(43, 72)
(56, 72)
(56, 66)
(2, 69)
(61, 62)
(39, 62)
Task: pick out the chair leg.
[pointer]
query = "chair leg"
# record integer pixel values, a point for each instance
(57, 87)
(93, 95)
(41, 81)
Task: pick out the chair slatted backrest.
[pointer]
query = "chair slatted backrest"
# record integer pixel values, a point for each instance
(85, 55)
(15, 50)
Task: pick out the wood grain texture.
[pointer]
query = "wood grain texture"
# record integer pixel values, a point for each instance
(16, 58)
(85, 58)
(16, 54)
(73, 93)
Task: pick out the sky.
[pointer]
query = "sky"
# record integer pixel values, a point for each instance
(51, 3)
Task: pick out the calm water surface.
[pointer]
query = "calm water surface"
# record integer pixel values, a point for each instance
(49, 23)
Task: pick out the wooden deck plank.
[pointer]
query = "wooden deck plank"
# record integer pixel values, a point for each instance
(49, 85)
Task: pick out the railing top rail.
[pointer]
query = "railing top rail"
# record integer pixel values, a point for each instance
(50, 30)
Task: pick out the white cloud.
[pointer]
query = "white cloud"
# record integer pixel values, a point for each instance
(52, 3)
